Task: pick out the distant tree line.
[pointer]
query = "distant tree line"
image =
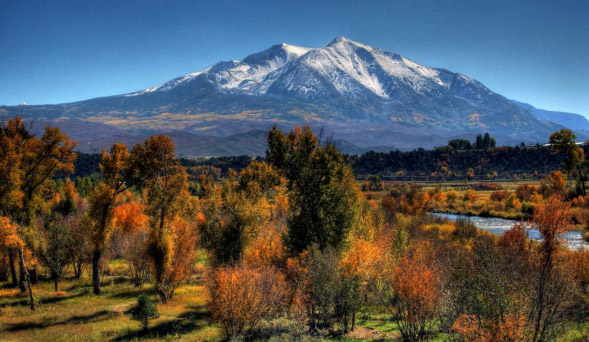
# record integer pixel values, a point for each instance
(451, 163)
(454, 161)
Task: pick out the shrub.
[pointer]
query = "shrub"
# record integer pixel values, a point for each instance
(241, 296)
(465, 229)
(486, 186)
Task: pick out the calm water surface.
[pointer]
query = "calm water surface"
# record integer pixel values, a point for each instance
(498, 226)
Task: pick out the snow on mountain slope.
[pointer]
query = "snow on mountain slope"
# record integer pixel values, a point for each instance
(351, 67)
(359, 92)
(249, 75)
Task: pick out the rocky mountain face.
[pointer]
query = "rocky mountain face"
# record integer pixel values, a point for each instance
(361, 96)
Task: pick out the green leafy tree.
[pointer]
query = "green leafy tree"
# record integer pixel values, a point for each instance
(460, 144)
(563, 141)
(322, 190)
(55, 248)
(236, 211)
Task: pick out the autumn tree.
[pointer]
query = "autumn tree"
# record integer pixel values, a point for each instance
(237, 211)
(240, 296)
(62, 241)
(132, 223)
(552, 286)
(79, 247)
(329, 295)
(563, 141)
(10, 241)
(367, 265)
(27, 167)
(416, 294)
(102, 201)
(489, 288)
(323, 193)
(171, 240)
(555, 183)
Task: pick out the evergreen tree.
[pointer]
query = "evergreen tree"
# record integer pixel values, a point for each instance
(145, 310)
(479, 142)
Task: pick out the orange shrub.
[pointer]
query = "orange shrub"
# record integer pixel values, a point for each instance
(241, 296)
(473, 329)
(499, 196)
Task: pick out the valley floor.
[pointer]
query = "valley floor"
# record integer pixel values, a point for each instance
(74, 314)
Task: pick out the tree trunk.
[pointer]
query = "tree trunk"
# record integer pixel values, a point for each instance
(56, 281)
(582, 180)
(75, 268)
(78, 270)
(26, 274)
(95, 271)
(34, 275)
(22, 271)
(12, 268)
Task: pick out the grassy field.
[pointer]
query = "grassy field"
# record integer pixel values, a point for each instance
(74, 314)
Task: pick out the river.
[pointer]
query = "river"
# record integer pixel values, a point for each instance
(498, 226)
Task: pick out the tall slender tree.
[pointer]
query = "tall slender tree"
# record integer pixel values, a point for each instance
(156, 169)
(102, 201)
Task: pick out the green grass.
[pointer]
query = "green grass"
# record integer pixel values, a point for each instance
(78, 315)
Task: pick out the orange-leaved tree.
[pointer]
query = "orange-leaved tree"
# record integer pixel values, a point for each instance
(179, 260)
(552, 286)
(415, 282)
(102, 201)
(11, 241)
(366, 263)
(27, 167)
(156, 169)
(132, 223)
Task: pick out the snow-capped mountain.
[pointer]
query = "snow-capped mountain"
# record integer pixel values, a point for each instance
(356, 92)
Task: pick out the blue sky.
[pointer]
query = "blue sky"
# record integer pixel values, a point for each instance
(63, 51)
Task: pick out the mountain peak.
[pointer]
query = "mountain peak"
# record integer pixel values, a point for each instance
(361, 92)
(282, 51)
(340, 39)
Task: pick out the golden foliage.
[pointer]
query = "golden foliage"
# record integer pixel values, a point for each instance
(240, 296)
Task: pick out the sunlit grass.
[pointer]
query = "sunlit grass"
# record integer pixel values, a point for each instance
(74, 314)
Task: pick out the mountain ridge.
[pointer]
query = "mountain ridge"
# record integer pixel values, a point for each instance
(353, 91)
(573, 121)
